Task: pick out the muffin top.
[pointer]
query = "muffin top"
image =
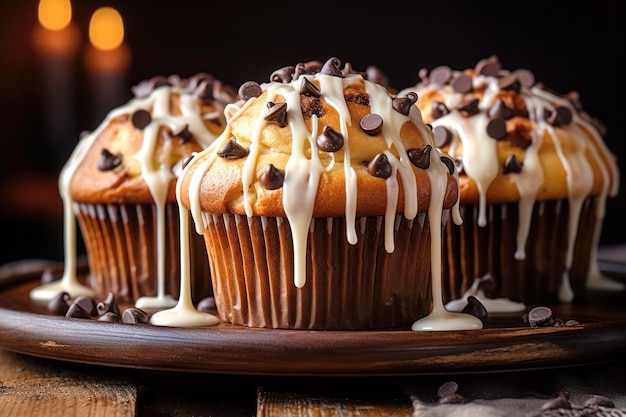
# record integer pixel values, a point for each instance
(513, 139)
(134, 156)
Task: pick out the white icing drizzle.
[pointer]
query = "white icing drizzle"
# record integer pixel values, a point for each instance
(492, 305)
(481, 163)
(302, 177)
(155, 170)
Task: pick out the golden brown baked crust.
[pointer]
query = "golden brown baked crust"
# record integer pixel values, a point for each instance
(221, 188)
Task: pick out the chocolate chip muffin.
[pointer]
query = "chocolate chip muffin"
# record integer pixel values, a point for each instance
(121, 180)
(320, 203)
(534, 177)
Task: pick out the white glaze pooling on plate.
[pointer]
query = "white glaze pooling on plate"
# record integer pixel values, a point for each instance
(157, 175)
(492, 305)
(481, 163)
(302, 177)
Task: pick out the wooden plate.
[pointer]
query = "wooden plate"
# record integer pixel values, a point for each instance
(507, 343)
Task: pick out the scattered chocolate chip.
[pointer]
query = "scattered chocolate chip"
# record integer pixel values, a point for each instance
(108, 305)
(330, 140)
(249, 89)
(462, 84)
(512, 165)
(449, 163)
(183, 133)
(187, 159)
(380, 166)
(443, 136)
(452, 399)
(309, 89)
(525, 77)
(496, 128)
(207, 305)
(440, 75)
(141, 118)
(59, 304)
(134, 315)
(422, 74)
(559, 402)
(376, 75)
(372, 124)
(146, 87)
(109, 317)
(475, 308)
(469, 107)
(571, 323)
(348, 70)
(438, 109)
(540, 316)
(282, 75)
(500, 110)
(574, 98)
(75, 311)
(487, 283)
(598, 401)
(488, 66)
(88, 304)
(277, 112)
(403, 104)
(510, 83)
(447, 388)
(232, 150)
(420, 157)
(204, 90)
(108, 161)
(561, 116)
(332, 67)
(272, 178)
(460, 168)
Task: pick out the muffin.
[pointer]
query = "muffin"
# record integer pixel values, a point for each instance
(534, 175)
(319, 202)
(121, 180)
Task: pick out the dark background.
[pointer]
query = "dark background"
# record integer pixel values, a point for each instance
(567, 47)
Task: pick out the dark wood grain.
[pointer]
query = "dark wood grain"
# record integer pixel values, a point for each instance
(505, 344)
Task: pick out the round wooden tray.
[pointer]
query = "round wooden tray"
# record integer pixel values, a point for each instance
(506, 344)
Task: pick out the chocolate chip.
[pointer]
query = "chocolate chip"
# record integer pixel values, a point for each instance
(462, 84)
(460, 168)
(134, 315)
(109, 317)
(204, 90)
(561, 116)
(475, 308)
(488, 66)
(207, 305)
(277, 112)
(440, 75)
(232, 150)
(500, 109)
(510, 83)
(469, 107)
(598, 401)
(376, 75)
(59, 304)
(571, 323)
(272, 178)
(447, 388)
(438, 109)
(486, 282)
(187, 159)
(525, 77)
(75, 311)
(330, 140)
(88, 304)
(108, 161)
(249, 89)
(380, 166)
(403, 104)
(282, 75)
(372, 124)
(420, 157)
(332, 67)
(183, 133)
(512, 165)
(141, 119)
(496, 128)
(452, 399)
(348, 70)
(146, 87)
(540, 316)
(108, 305)
(559, 402)
(309, 89)
(449, 163)
(422, 74)
(443, 136)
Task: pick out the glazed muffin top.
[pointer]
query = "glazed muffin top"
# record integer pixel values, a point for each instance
(512, 138)
(321, 140)
(134, 156)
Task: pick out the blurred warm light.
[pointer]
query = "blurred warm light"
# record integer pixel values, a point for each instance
(54, 14)
(106, 29)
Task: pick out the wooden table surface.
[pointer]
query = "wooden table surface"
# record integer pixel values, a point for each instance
(31, 386)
